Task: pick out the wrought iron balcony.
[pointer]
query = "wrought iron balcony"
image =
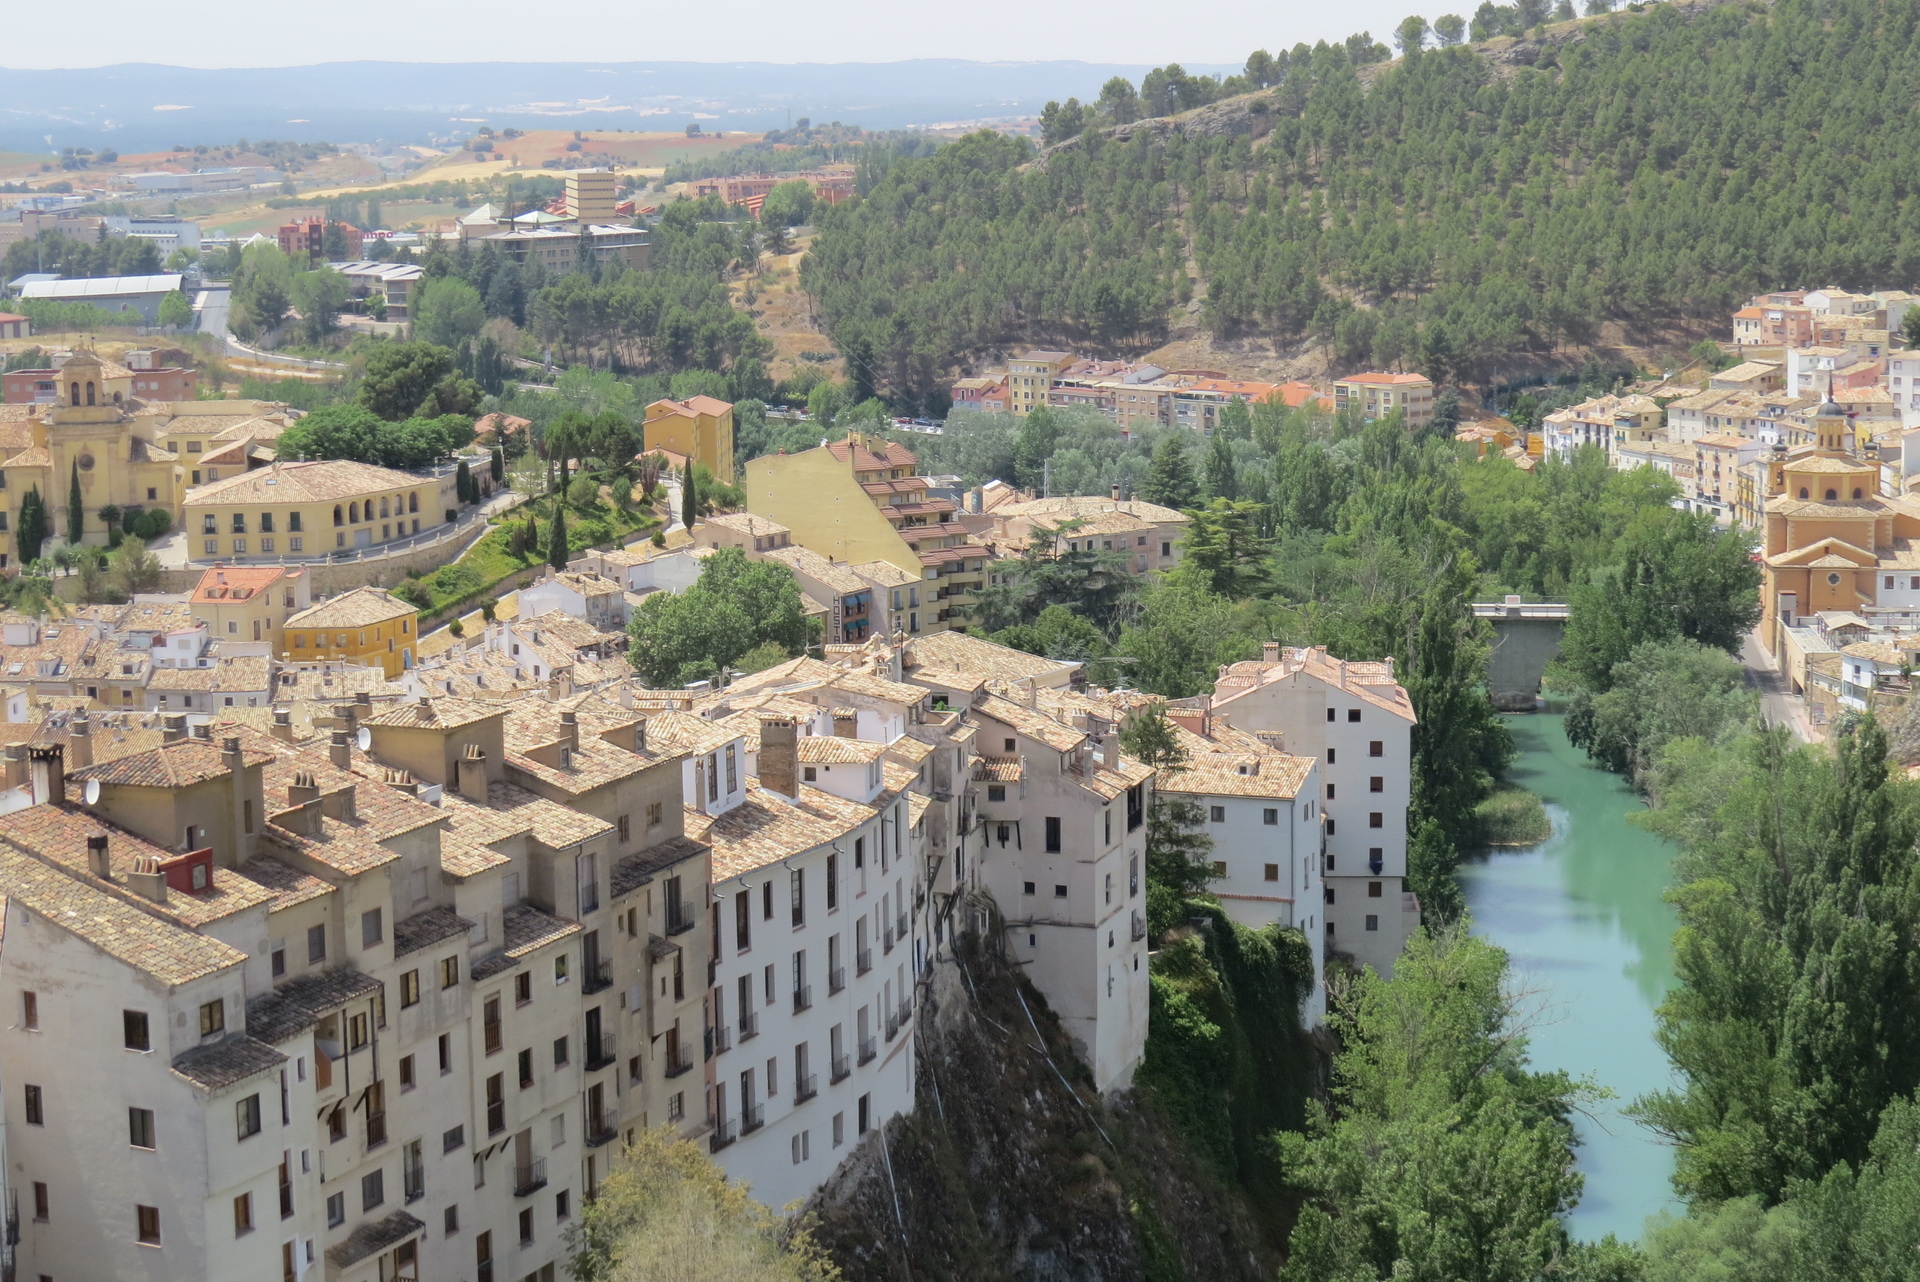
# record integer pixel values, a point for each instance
(530, 1178)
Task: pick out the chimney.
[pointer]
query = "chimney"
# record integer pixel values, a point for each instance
(173, 727)
(1270, 651)
(570, 729)
(97, 862)
(282, 725)
(471, 774)
(80, 741)
(147, 880)
(204, 732)
(626, 695)
(303, 788)
(402, 781)
(778, 772)
(560, 684)
(48, 765)
(846, 723)
(1113, 491)
(338, 752)
(16, 759)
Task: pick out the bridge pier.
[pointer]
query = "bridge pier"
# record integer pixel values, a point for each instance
(1526, 637)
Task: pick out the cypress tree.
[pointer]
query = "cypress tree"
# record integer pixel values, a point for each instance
(557, 539)
(533, 533)
(497, 465)
(689, 499)
(76, 515)
(33, 526)
(463, 484)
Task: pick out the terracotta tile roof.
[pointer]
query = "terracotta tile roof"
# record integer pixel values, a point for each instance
(145, 941)
(833, 575)
(961, 652)
(553, 825)
(1235, 765)
(357, 608)
(157, 616)
(684, 732)
(227, 1063)
(226, 584)
(58, 834)
(1031, 722)
(425, 929)
(316, 481)
(637, 870)
(1379, 379)
(997, 769)
(766, 827)
(834, 750)
(372, 1238)
(297, 1005)
(288, 885)
(874, 454)
(333, 683)
(1063, 509)
(746, 523)
(1371, 682)
(177, 765)
(443, 712)
(885, 573)
(524, 930)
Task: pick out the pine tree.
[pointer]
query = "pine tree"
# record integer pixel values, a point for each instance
(1222, 479)
(557, 539)
(1170, 478)
(76, 515)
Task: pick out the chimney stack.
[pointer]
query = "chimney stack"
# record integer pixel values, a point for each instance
(203, 731)
(173, 727)
(1270, 651)
(778, 771)
(282, 728)
(80, 740)
(303, 788)
(846, 723)
(1114, 491)
(338, 752)
(570, 729)
(470, 774)
(16, 762)
(147, 880)
(48, 763)
(97, 862)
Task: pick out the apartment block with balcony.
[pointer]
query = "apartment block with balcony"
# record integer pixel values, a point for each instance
(1375, 395)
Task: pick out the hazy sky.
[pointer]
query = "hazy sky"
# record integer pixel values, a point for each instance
(1131, 31)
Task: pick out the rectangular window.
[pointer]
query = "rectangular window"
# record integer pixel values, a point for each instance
(409, 989)
(30, 1011)
(1376, 820)
(243, 1215)
(36, 1112)
(523, 988)
(140, 1127)
(742, 921)
(373, 1189)
(453, 1139)
(213, 1018)
(336, 1210)
(134, 1028)
(371, 931)
(296, 543)
(1217, 814)
(1373, 890)
(1273, 872)
(316, 945)
(490, 1025)
(1053, 834)
(449, 971)
(797, 886)
(833, 882)
(1353, 714)
(1376, 783)
(246, 1114)
(1373, 922)
(147, 1222)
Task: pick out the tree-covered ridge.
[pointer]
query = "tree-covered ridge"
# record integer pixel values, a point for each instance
(1649, 167)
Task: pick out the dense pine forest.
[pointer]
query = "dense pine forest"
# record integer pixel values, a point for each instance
(1447, 212)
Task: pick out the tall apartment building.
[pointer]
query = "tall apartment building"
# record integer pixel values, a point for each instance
(1375, 395)
(1358, 721)
(1030, 379)
(591, 195)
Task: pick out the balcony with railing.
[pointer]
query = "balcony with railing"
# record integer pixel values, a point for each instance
(836, 979)
(868, 1049)
(886, 940)
(679, 1063)
(722, 1135)
(679, 920)
(600, 1131)
(598, 976)
(892, 1026)
(900, 925)
(806, 1088)
(529, 1178)
(722, 1038)
(802, 997)
(863, 961)
(906, 1011)
(841, 1069)
(749, 1025)
(602, 1052)
(752, 1118)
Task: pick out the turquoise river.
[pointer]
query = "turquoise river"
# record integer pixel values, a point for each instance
(1581, 916)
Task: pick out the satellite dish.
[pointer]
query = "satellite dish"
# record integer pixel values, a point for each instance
(93, 791)
(363, 738)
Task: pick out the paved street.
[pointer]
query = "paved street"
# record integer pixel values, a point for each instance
(1777, 704)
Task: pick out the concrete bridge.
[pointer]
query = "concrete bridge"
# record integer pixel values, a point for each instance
(1526, 637)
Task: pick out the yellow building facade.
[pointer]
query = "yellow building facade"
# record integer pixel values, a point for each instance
(1030, 377)
(367, 626)
(699, 428)
(238, 603)
(287, 511)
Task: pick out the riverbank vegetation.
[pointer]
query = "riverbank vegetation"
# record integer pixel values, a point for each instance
(1513, 817)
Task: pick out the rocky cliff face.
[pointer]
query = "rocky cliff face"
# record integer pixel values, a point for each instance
(1014, 1168)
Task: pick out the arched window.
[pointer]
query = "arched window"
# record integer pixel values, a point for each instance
(1803, 494)
(338, 521)
(89, 393)
(1832, 495)
(1856, 492)
(353, 513)
(116, 398)
(73, 393)
(413, 501)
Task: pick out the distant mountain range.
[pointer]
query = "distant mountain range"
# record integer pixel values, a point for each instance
(139, 107)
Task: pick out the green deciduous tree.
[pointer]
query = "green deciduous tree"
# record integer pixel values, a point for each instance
(735, 606)
(175, 310)
(1448, 1158)
(132, 569)
(448, 313)
(406, 380)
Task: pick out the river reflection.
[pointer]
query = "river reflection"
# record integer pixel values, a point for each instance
(1582, 918)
